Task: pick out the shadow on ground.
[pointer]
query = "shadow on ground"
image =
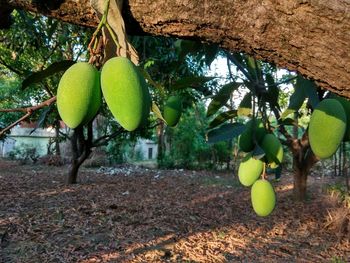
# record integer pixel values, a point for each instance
(154, 216)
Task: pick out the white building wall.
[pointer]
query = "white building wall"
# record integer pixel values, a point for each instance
(22, 137)
(148, 149)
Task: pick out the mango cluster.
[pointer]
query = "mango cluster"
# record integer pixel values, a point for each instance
(251, 169)
(124, 90)
(329, 126)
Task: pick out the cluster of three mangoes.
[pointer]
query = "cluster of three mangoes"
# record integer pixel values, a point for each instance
(252, 168)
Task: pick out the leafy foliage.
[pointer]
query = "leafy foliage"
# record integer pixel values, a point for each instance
(188, 146)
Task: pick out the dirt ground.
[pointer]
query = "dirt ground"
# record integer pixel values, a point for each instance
(142, 215)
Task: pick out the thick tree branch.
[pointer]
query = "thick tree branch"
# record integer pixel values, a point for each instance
(311, 37)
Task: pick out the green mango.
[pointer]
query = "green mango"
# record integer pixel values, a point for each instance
(263, 197)
(249, 170)
(327, 128)
(79, 94)
(172, 110)
(245, 140)
(126, 93)
(273, 150)
(346, 105)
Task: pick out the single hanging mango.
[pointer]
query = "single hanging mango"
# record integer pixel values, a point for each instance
(125, 92)
(327, 128)
(79, 94)
(263, 197)
(173, 110)
(250, 170)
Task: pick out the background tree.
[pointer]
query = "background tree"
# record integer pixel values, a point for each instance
(262, 99)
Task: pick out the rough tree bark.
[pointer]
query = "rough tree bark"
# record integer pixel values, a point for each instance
(310, 36)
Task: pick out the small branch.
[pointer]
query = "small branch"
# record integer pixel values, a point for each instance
(104, 139)
(15, 123)
(229, 69)
(29, 111)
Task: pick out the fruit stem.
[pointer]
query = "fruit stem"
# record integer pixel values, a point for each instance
(102, 23)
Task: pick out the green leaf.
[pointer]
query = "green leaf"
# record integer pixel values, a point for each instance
(251, 67)
(245, 107)
(221, 98)
(191, 82)
(210, 53)
(295, 101)
(222, 117)
(310, 90)
(225, 132)
(49, 71)
(155, 109)
(43, 117)
(147, 76)
(303, 89)
(258, 152)
(184, 47)
(272, 92)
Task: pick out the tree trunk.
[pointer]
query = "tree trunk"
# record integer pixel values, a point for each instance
(303, 160)
(300, 181)
(57, 138)
(311, 37)
(161, 148)
(81, 149)
(335, 164)
(73, 172)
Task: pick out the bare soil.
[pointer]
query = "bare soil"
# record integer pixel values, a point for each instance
(142, 215)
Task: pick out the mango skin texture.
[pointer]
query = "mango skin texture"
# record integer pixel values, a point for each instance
(245, 140)
(263, 197)
(346, 105)
(327, 128)
(249, 170)
(125, 92)
(79, 94)
(172, 110)
(273, 150)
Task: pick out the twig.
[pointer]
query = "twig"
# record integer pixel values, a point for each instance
(104, 139)
(15, 123)
(29, 111)
(229, 69)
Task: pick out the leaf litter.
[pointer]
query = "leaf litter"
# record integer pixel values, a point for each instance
(132, 214)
